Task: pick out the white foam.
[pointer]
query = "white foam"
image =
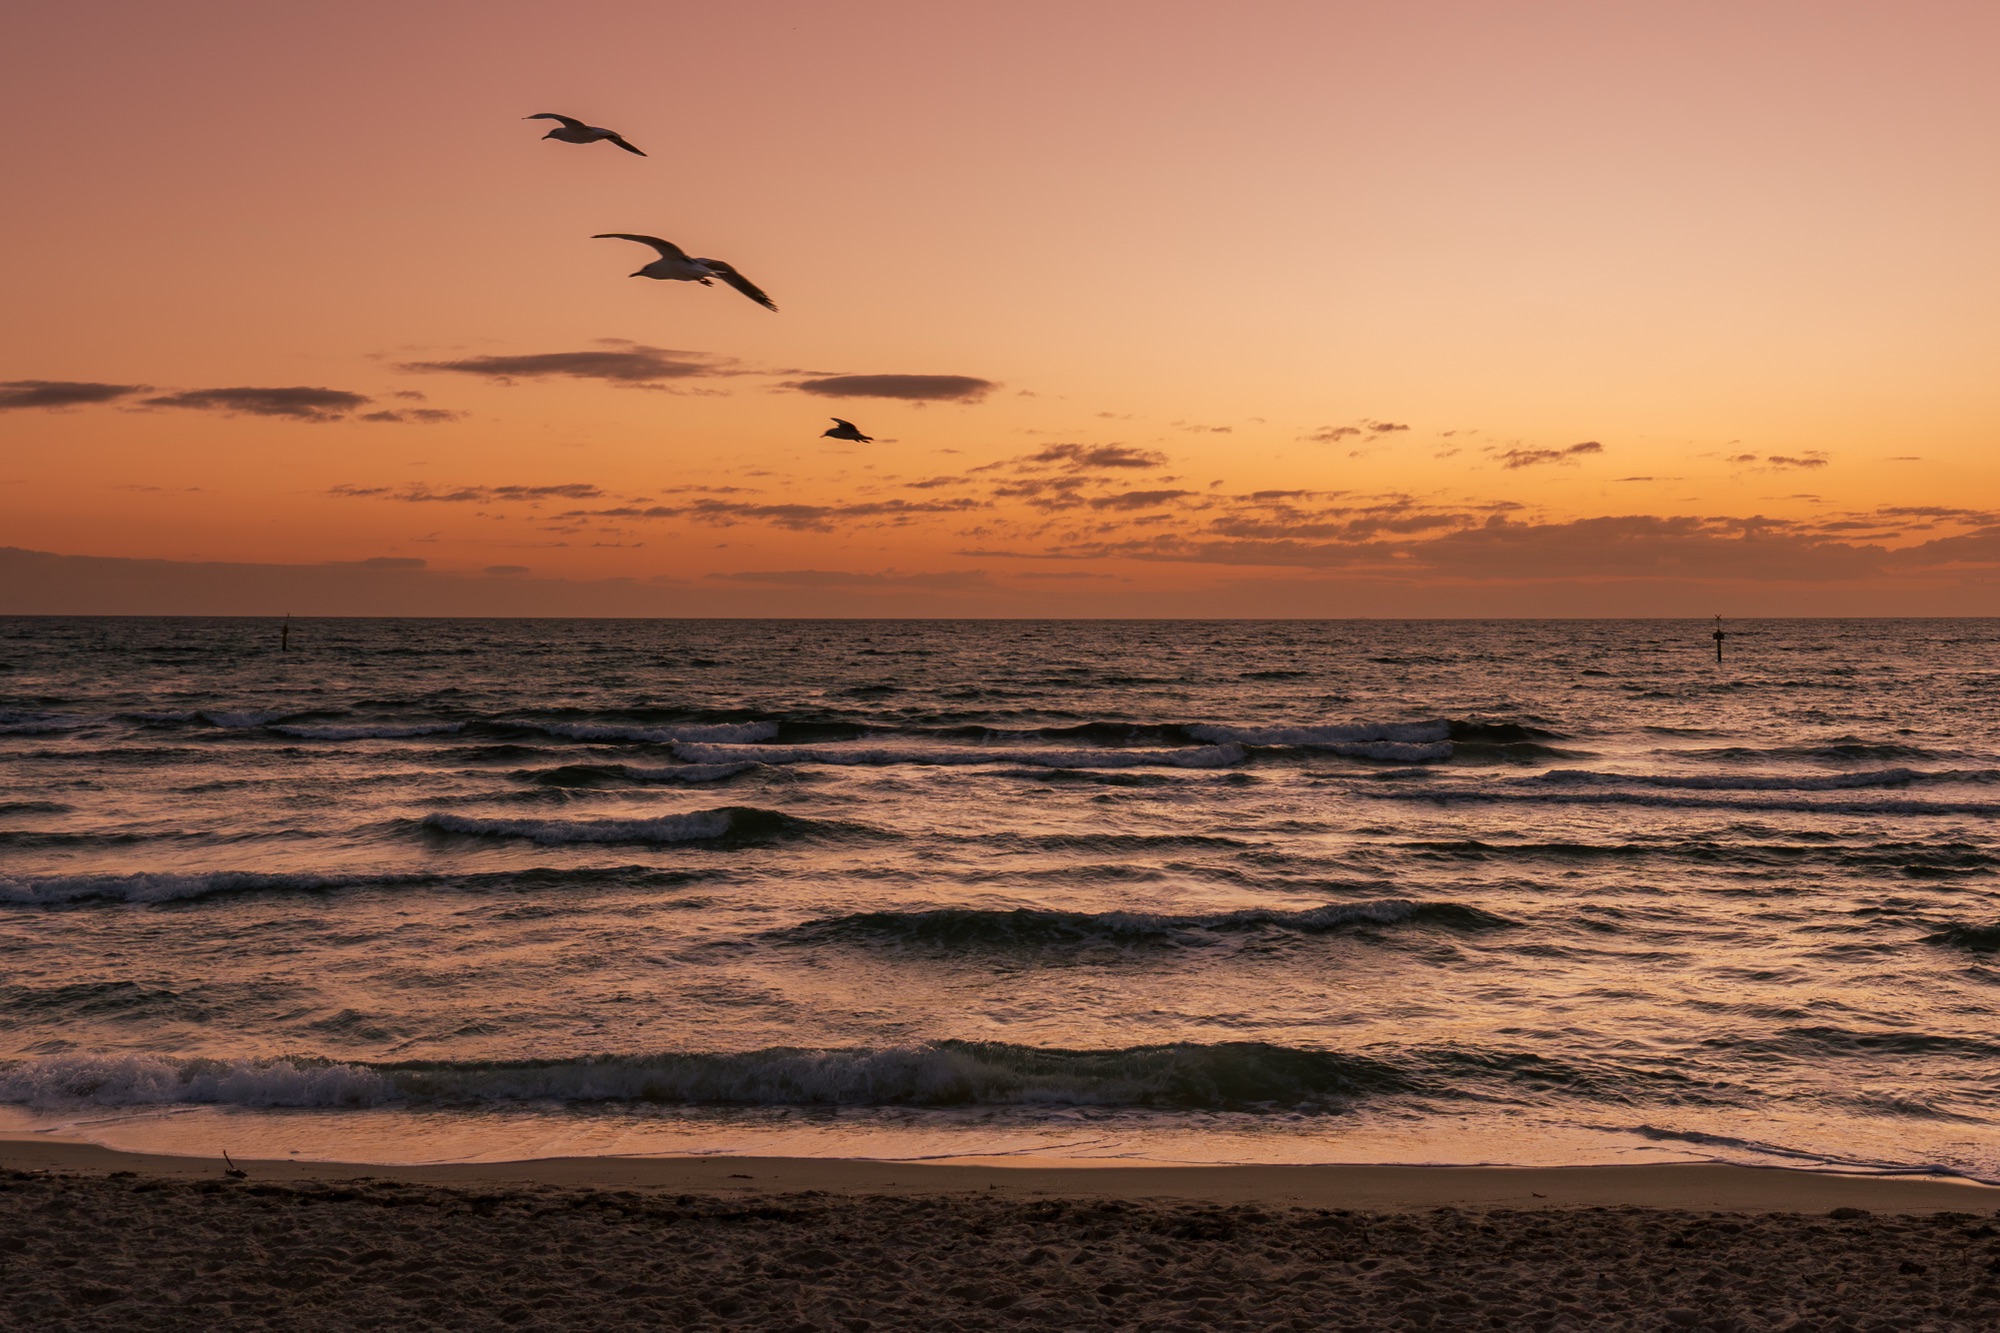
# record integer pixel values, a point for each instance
(369, 730)
(1201, 756)
(688, 827)
(720, 731)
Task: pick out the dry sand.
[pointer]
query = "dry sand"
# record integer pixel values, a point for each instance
(96, 1239)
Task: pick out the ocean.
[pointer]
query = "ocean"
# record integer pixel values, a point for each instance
(1330, 891)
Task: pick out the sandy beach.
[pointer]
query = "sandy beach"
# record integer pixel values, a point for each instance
(91, 1238)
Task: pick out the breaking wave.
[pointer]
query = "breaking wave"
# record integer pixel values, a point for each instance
(1181, 1076)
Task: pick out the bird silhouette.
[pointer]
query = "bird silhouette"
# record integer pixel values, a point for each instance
(676, 265)
(846, 430)
(573, 130)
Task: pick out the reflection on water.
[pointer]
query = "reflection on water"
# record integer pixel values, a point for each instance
(1193, 892)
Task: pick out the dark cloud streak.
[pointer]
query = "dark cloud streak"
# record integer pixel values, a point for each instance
(296, 403)
(631, 366)
(20, 394)
(909, 388)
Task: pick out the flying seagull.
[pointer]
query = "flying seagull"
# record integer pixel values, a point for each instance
(846, 430)
(676, 265)
(575, 131)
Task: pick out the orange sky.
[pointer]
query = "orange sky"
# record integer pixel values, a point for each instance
(1672, 306)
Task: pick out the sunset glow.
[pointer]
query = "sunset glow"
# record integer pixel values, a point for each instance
(1312, 309)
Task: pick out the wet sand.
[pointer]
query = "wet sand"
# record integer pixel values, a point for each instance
(91, 1238)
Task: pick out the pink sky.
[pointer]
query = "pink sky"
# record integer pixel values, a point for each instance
(1315, 309)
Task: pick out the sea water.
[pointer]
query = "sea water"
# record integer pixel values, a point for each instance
(1448, 891)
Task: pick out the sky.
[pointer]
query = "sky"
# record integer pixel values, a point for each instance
(1450, 307)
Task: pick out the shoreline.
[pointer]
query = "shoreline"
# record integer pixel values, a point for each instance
(1697, 1186)
(93, 1239)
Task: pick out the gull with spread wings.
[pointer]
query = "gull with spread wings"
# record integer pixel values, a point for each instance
(676, 265)
(573, 130)
(846, 430)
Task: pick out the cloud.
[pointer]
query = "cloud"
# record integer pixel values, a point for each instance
(62, 393)
(1774, 462)
(1062, 574)
(631, 365)
(296, 403)
(505, 571)
(1632, 547)
(423, 416)
(1137, 499)
(796, 517)
(1084, 457)
(828, 578)
(1384, 427)
(1514, 458)
(1331, 434)
(911, 388)
(418, 493)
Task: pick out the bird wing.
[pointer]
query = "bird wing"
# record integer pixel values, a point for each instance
(844, 425)
(667, 249)
(619, 139)
(739, 282)
(569, 122)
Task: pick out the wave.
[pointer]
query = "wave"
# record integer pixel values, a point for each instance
(34, 808)
(1846, 1165)
(736, 822)
(603, 731)
(1673, 800)
(185, 886)
(1848, 750)
(234, 720)
(1032, 928)
(1206, 756)
(159, 887)
(1409, 742)
(1820, 1042)
(1973, 939)
(38, 724)
(1473, 731)
(598, 775)
(1885, 777)
(368, 730)
(1181, 1076)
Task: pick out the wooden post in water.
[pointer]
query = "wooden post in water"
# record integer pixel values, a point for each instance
(1718, 636)
(285, 635)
